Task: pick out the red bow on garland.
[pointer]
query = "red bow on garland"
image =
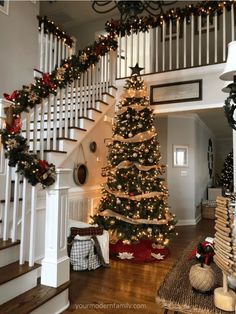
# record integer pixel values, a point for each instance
(46, 80)
(15, 126)
(43, 165)
(10, 97)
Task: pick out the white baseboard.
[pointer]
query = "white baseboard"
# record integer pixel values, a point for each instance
(187, 222)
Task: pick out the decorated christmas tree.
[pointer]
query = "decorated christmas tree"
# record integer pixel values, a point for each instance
(134, 202)
(226, 177)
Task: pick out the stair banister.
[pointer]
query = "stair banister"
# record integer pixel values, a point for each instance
(55, 265)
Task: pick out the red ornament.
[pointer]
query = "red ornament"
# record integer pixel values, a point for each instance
(15, 127)
(131, 194)
(10, 97)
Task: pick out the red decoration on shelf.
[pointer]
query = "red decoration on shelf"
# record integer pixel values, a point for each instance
(10, 97)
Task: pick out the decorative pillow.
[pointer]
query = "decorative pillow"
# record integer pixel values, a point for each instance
(90, 231)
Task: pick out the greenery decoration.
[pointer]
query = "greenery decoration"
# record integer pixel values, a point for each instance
(17, 151)
(144, 23)
(227, 174)
(50, 28)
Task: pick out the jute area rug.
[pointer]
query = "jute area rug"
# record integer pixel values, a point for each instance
(176, 293)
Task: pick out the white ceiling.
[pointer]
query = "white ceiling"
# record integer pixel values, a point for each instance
(71, 14)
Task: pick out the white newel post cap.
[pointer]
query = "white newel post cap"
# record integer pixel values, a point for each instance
(62, 179)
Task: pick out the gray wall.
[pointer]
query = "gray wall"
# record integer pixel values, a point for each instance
(19, 45)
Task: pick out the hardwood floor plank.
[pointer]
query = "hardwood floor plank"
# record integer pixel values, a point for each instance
(128, 287)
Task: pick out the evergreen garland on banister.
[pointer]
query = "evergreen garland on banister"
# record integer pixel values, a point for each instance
(15, 145)
(50, 28)
(144, 23)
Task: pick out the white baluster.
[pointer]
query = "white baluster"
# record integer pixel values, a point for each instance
(93, 84)
(89, 87)
(46, 53)
(51, 66)
(59, 52)
(107, 74)
(138, 47)
(85, 113)
(185, 43)
(192, 40)
(7, 204)
(81, 94)
(15, 206)
(224, 34)
(170, 44)
(132, 48)
(157, 48)
(216, 37)
(61, 113)
(163, 45)
(76, 103)
(35, 128)
(54, 134)
(207, 40)
(63, 49)
(72, 103)
(23, 222)
(177, 43)
(48, 132)
(66, 112)
(119, 57)
(199, 40)
(126, 55)
(32, 226)
(112, 65)
(41, 58)
(42, 130)
(144, 52)
(232, 22)
(55, 61)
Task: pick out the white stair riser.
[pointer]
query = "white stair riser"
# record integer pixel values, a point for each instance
(81, 122)
(56, 305)
(9, 255)
(92, 114)
(19, 285)
(66, 146)
(101, 106)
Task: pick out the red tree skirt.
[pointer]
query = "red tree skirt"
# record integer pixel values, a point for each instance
(140, 252)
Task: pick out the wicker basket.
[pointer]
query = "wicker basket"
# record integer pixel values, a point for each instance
(208, 209)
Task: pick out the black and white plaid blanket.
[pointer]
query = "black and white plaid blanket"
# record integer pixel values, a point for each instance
(84, 255)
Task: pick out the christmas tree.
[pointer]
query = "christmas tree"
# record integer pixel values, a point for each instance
(134, 201)
(226, 177)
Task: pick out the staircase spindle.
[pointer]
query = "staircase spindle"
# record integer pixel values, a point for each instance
(207, 39)
(232, 22)
(41, 47)
(89, 87)
(35, 128)
(170, 44)
(199, 39)
(71, 103)
(62, 92)
(46, 53)
(85, 94)
(119, 59)
(51, 65)
(7, 204)
(185, 43)
(132, 48)
(66, 133)
(224, 35)
(15, 207)
(126, 55)
(163, 45)
(81, 94)
(23, 222)
(157, 48)
(177, 44)
(41, 148)
(76, 103)
(58, 52)
(54, 132)
(55, 61)
(48, 132)
(93, 85)
(216, 38)
(192, 40)
(32, 226)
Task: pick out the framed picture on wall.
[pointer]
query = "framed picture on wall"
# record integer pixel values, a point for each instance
(180, 156)
(4, 6)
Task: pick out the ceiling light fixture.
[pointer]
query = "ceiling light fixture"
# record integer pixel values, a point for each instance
(129, 10)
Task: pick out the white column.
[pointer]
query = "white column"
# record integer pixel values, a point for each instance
(56, 265)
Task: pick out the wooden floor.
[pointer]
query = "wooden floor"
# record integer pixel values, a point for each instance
(128, 287)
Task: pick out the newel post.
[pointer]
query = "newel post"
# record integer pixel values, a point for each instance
(55, 265)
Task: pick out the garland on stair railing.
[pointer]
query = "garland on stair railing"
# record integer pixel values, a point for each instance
(145, 23)
(15, 145)
(50, 28)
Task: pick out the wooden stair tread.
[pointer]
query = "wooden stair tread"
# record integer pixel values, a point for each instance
(77, 128)
(102, 101)
(14, 270)
(58, 138)
(30, 300)
(112, 86)
(105, 93)
(90, 108)
(8, 243)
